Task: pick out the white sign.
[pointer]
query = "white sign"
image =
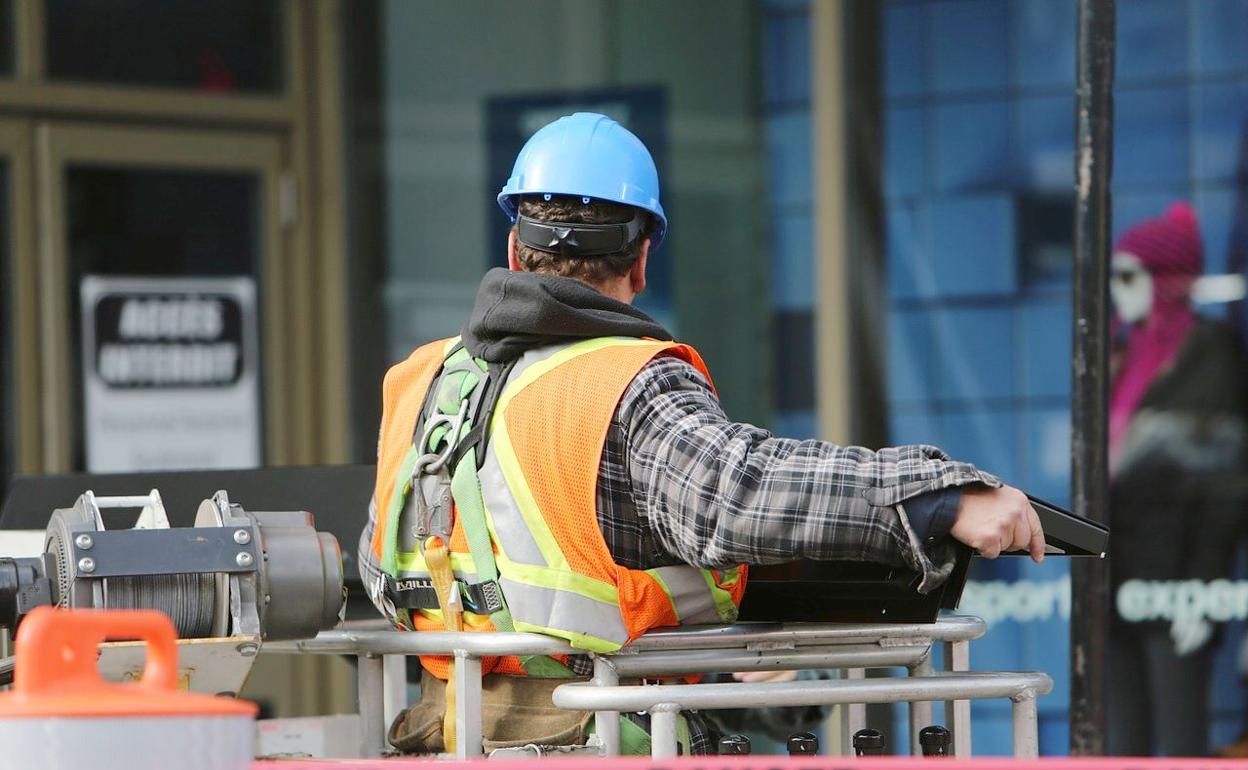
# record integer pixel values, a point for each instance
(170, 372)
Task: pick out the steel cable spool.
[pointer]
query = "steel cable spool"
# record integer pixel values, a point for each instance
(188, 600)
(264, 576)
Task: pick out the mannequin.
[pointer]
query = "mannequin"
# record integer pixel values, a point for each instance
(1177, 461)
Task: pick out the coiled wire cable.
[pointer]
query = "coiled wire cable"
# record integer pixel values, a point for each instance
(188, 600)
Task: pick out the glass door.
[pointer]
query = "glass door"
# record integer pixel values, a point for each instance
(163, 289)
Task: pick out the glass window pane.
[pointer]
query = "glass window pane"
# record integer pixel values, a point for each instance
(8, 52)
(458, 108)
(976, 319)
(977, 175)
(226, 46)
(129, 222)
(124, 221)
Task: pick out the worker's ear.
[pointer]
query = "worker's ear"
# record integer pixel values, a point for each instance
(637, 274)
(513, 261)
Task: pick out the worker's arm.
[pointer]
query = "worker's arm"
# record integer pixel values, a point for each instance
(719, 493)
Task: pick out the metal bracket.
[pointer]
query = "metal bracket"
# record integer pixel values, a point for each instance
(182, 550)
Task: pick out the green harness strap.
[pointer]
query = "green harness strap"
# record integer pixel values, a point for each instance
(463, 376)
(466, 490)
(470, 505)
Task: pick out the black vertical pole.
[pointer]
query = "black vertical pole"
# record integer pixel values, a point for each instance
(1090, 605)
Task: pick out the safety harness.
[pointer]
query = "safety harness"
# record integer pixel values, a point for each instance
(452, 435)
(449, 437)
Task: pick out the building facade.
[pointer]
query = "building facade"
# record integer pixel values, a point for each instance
(871, 209)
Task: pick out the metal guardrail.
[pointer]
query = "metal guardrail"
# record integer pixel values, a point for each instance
(663, 702)
(376, 642)
(742, 647)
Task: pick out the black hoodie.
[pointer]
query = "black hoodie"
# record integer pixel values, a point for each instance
(516, 312)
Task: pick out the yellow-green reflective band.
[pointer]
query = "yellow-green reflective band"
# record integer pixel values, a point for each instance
(570, 613)
(519, 488)
(658, 578)
(579, 641)
(412, 561)
(687, 589)
(500, 441)
(509, 529)
(559, 580)
(530, 374)
(723, 600)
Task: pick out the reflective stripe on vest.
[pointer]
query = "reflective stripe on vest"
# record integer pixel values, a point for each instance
(554, 565)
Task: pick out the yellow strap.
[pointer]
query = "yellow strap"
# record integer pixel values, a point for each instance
(448, 719)
(437, 556)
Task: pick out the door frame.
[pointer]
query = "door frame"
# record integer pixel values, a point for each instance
(309, 421)
(23, 319)
(58, 147)
(305, 115)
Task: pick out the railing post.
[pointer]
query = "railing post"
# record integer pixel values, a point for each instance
(958, 712)
(607, 723)
(920, 711)
(853, 715)
(663, 731)
(370, 686)
(467, 706)
(394, 687)
(1026, 731)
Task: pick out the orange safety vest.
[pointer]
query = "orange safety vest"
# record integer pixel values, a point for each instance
(538, 482)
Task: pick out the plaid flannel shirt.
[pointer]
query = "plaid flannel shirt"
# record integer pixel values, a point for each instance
(679, 483)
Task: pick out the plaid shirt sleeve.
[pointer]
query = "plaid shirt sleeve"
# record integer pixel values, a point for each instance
(719, 493)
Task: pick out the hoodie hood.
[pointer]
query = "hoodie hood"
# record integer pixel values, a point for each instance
(515, 312)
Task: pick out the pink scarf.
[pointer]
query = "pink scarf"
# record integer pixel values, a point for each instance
(1169, 247)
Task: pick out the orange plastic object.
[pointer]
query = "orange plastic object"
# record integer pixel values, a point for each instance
(56, 674)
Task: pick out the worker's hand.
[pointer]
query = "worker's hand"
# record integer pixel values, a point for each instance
(765, 676)
(995, 520)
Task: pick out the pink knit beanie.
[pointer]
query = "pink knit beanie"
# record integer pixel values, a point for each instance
(1167, 245)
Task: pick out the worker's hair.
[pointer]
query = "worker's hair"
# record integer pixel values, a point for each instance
(565, 208)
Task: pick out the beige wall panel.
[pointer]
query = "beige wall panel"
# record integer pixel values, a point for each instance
(832, 307)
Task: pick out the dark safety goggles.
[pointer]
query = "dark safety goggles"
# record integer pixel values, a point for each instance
(571, 239)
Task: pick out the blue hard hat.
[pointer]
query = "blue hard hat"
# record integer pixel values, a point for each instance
(589, 155)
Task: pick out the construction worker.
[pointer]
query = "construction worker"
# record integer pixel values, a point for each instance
(564, 467)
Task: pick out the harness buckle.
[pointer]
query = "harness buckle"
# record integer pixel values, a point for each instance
(419, 593)
(435, 514)
(487, 597)
(432, 462)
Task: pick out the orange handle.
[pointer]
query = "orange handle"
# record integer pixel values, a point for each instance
(58, 648)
